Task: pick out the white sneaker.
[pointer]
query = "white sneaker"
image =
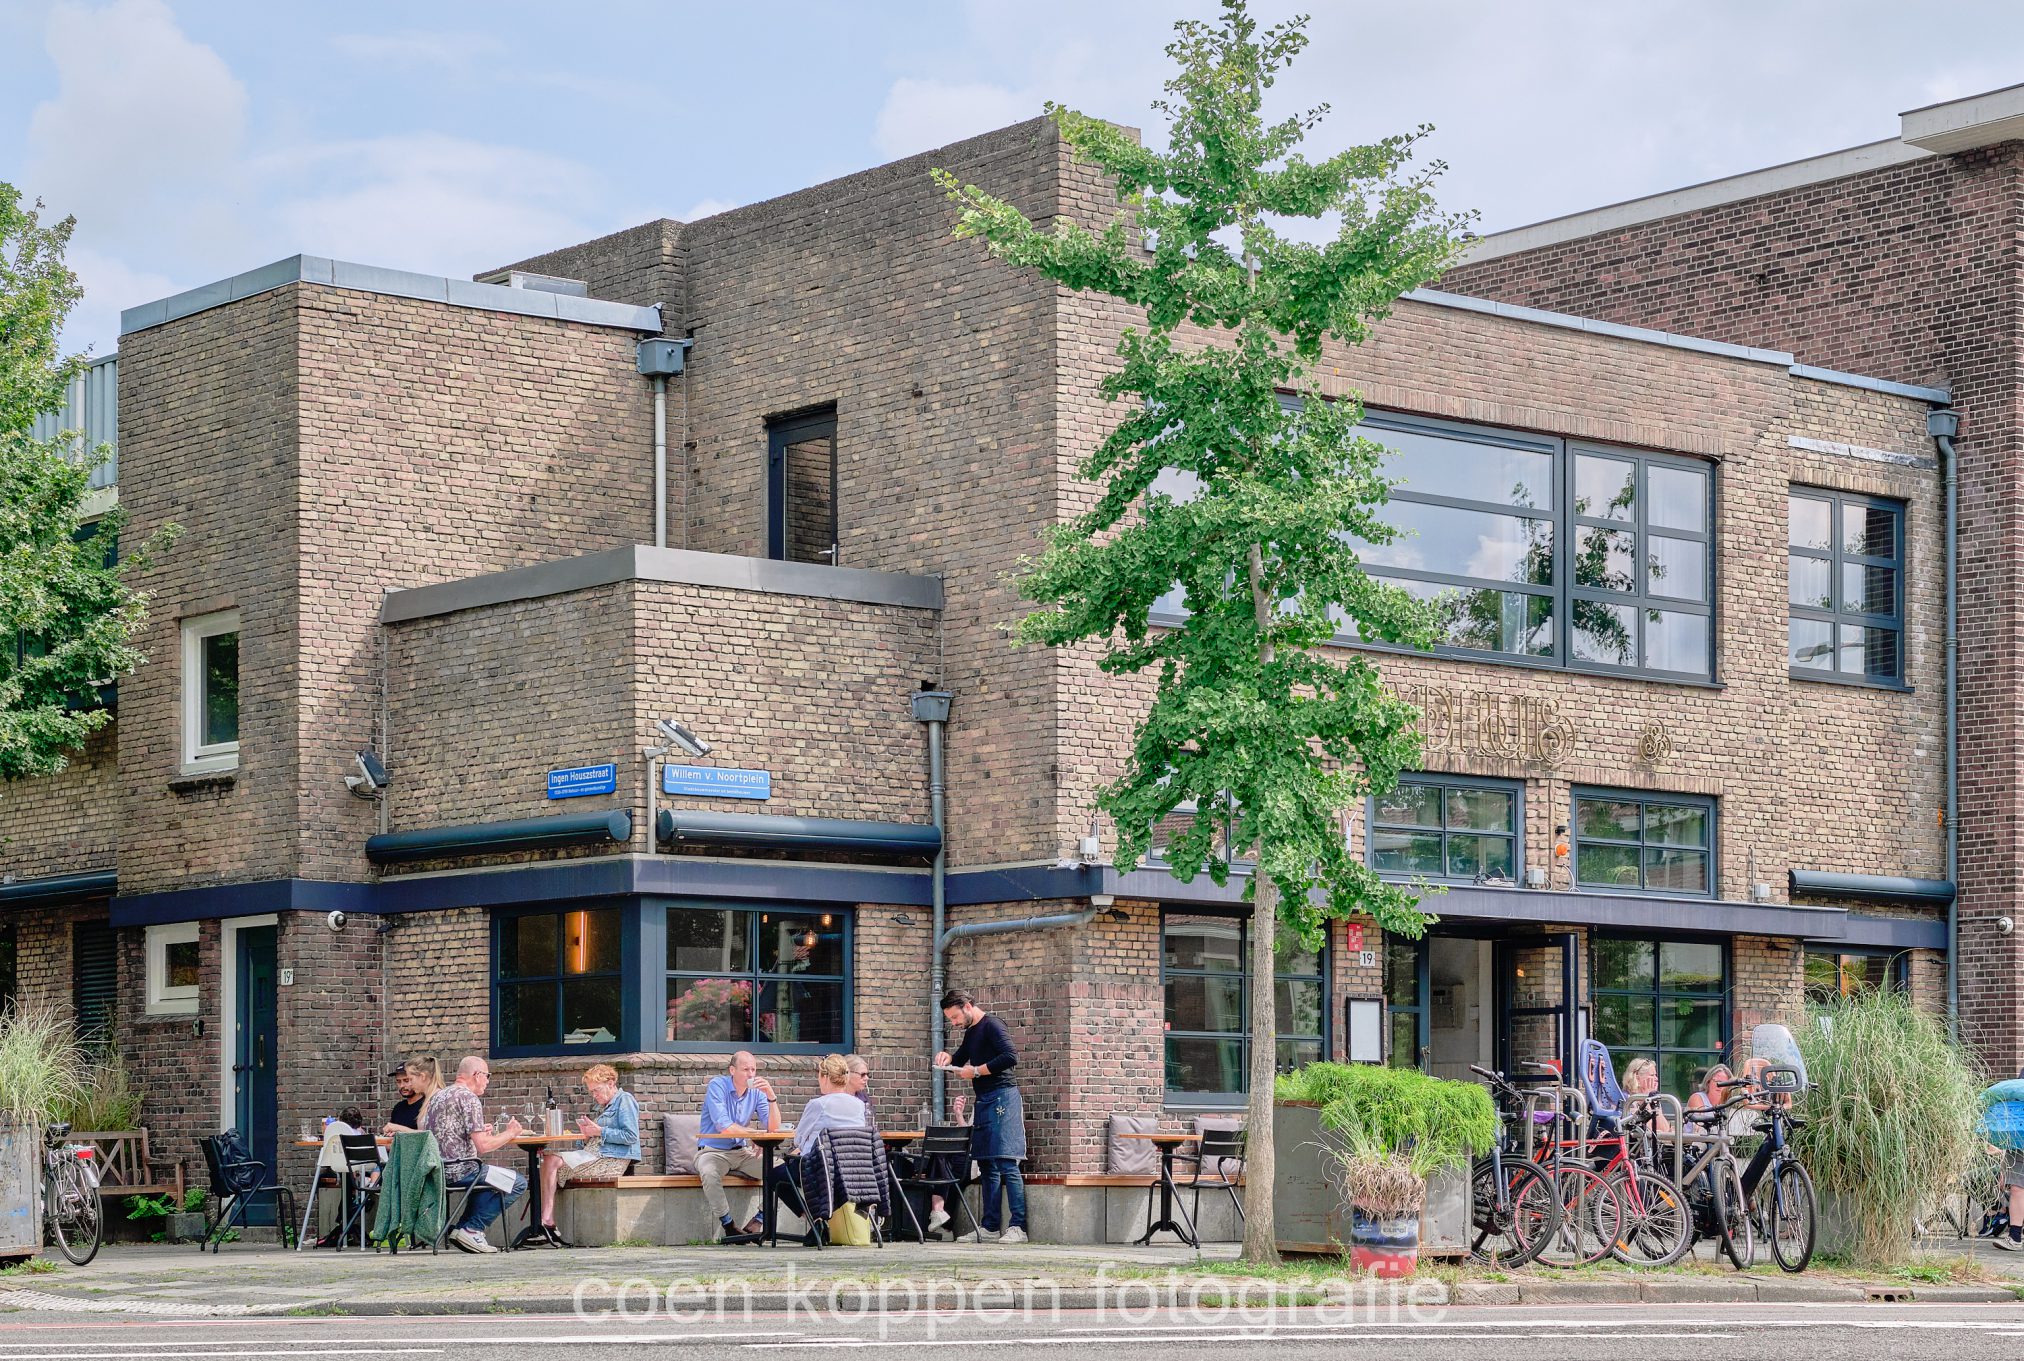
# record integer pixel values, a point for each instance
(1013, 1235)
(937, 1220)
(471, 1241)
(2008, 1244)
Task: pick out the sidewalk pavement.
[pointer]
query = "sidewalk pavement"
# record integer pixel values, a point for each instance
(257, 1278)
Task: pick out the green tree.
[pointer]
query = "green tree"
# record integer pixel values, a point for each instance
(1255, 721)
(67, 613)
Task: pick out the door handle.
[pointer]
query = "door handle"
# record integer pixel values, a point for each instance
(259, 1051)
(242, 1067)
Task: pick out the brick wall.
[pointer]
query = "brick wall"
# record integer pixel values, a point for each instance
(67, 822)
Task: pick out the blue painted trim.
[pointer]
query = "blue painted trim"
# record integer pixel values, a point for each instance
(495, 838)
(58, 888)
(1871, 888)
(242, 900)
(1896, 933)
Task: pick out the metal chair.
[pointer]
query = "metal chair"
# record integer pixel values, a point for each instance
(236, 1178)
(945, 1147)
(361, 1183)
(1223, 1151)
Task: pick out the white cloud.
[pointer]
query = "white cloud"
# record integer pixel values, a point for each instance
(456, 52)
(109, 287)
(921, 114)
(703, 208)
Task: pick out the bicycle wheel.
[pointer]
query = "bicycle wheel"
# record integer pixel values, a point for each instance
(1658, 1226)
(1591, 1218)
(75, 1211)
(1789, 1219)
(1511, 1227)
(1732, 1217)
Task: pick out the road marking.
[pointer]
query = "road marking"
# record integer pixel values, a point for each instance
(1345, 1333)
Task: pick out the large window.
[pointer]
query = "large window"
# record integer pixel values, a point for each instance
(211, 691)
(1205, 973)
(742, 978)
(1655, 843)
(559, 981)
(1845, 583)
(1561, 554)
(801, 480)
(1831, 974)
(1460, 830)
(1665, 1000)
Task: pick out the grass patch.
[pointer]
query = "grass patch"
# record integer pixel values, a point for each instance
(316, 1311)
(631, 1243)
(33, 1266)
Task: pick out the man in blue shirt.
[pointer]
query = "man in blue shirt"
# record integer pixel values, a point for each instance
(735, 1106)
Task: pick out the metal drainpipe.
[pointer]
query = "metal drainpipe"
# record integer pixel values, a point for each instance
(1943, 426)
(660, 464)
(932, 708)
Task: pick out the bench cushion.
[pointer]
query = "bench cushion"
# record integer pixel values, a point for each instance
(679, 1132)
(1131, 1157)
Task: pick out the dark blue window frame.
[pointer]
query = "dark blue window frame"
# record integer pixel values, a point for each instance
(1184, 1097)
(655, 914)
(1464, 784)
(1837, 558)
(782, 433)
(627, 1040)
(1659, 995)
(1645, 799)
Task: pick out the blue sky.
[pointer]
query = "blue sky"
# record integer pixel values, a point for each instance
(195, 138)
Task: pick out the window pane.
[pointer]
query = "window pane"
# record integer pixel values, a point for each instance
(1690, 966)
(1624, 1020)
(1297, 1054)
(1677, 824)
(180, 958)
(1616, 819)
(1809, 645)
(1605, 488)
(1676, 498)
(1411, 805)
(1401, 971)
(1811, 522)
(1297, 1007)
(1214, 943)
(1605, 633)
(1480, 810)
(1868, 589)
(221, 688)
(800, 944)
(1487, 620)
(710, 1009)
(1606, 866)
(1470, 543)
(1289, 958)
(592, 1012)
(1405, 1040)
(1202, 1065)
(1676, 568)
(811, 511)
(1868, 652)
(1676, 871)
(1868, 530)
(1215, 1002)
(1446, 466)
(1676, 641)
(527, 1013)
(1691, 1025)
(709, 942)
(1681, 1073)
(527, 947)
(800, 1013)
(1605, 558)
(1809, 582)
(1823, 977)
(1866, 973)
(1623, 963)
(590, 942)
(1405, 852)
(1476, 856)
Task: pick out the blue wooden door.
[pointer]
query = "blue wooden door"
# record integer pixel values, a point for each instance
(255, 1056)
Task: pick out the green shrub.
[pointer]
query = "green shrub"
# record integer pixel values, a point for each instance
(41, 1067)
(108, 1102)
(1397, 1113)
(1893, 1117)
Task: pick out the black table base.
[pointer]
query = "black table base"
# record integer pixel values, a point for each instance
(1170, 1195)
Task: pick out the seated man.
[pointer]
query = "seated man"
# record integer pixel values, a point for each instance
(456, 1117)
(836, 1108)
(736, 1106)
(407, 1112)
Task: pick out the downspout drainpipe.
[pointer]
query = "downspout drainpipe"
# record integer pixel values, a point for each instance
(1943, 426)
(660, 464)
(932, 708)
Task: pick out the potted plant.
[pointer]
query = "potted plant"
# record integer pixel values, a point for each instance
(1386, 1132)
(41, 1070)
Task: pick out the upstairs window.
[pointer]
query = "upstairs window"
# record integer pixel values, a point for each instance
(1845, 581)
(1653, 843)
(801, 524)
(1205, 961)
(211, 691)
(1464, 831)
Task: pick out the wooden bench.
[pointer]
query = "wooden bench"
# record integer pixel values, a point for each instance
(127, 1168)
(678, 1182)
(1139, 1180)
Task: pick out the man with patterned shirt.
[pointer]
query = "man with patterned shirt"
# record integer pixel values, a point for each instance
(456, 1117)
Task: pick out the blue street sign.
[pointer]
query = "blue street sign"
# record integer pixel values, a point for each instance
(578, 781)
(716, 782)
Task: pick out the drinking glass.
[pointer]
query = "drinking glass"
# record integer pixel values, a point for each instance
(308, 1131)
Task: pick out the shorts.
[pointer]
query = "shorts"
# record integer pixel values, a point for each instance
(2013, 1168)
(598, 1169)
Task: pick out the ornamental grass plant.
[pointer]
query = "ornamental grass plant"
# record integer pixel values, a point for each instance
(107, 1101)
(1892, 1118)
(42, 1069)
(1398, 1127)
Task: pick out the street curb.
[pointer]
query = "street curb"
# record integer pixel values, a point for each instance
(1715, 1291)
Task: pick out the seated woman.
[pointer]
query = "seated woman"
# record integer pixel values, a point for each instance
(1641, 1078)
(1711, 1093)
(614, 1135)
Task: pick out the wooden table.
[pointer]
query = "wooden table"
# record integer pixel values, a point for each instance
(1168, 1145)
(536, 1144)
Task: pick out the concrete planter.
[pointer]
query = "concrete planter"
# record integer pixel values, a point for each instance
(20, 1191)
(184, 1227)
(1310, 1214)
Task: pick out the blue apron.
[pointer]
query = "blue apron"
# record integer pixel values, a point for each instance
(1000, 1131)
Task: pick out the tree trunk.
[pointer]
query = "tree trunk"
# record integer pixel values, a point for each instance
(1261, 1239)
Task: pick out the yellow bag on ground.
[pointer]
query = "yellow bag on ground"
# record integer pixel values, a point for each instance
(848, 1228)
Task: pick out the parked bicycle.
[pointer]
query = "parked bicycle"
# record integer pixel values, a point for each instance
(1591, 1212)
(70, 1198)
(1514, 1212)
(1713, 1179)
(1654, 1227)
(1780, 1190)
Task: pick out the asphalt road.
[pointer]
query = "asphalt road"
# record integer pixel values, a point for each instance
(1590, 1333)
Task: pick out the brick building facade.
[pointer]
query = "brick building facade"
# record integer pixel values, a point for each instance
(417, 507)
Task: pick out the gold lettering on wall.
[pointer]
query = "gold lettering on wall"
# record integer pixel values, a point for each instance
(1488, 723)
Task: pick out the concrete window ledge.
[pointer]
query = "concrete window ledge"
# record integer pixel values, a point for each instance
(210, 779)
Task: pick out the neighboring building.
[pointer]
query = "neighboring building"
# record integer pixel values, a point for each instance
(412, 510)
(1897, 258)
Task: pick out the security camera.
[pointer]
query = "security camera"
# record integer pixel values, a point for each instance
(681, 738)
(371, 780)
(335, 921)
(2006, 925)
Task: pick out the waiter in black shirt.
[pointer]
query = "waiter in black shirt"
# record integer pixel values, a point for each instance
(998, 1139)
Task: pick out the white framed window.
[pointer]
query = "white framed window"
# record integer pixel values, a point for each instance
(211, 692)
(173, 969)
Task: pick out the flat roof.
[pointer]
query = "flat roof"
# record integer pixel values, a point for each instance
(395, 283)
